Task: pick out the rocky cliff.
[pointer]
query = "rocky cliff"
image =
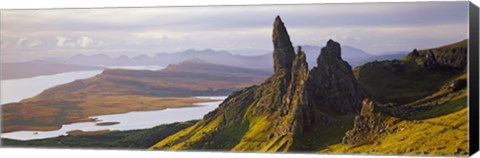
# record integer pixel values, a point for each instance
(279, 113)
(334, 83)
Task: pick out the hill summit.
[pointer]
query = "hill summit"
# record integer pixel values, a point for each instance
(280, 113)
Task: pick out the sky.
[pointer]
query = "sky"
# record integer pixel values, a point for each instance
(376, 28)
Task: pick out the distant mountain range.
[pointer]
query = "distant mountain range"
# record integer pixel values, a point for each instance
(164, 59)
(352, 55)
(81, 62)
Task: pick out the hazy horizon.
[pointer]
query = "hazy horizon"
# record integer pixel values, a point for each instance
(245, 30)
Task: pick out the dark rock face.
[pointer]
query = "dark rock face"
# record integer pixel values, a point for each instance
(333, 84)
(296, 100)
(367, 126)
(283, 53)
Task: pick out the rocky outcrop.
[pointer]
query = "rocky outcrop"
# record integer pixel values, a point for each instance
(454, 56)
(368, 126)
(296, 102)
(333, 83)
(275, 114)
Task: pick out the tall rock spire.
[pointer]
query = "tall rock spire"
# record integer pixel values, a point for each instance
(283, 52)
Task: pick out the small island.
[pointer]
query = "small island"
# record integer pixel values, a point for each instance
(106, 123)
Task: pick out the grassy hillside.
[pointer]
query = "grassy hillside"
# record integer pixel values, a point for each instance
(443, 135)
(401, 82)
(445, 101)
(322, 136)
(135, 139)
(415, 76)
(435, 125)
(463, 43)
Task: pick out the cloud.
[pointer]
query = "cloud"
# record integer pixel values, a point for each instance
(34, 43)
(64, 42)
(82, 41)
(373, 27)
(27, 42)
(238, 17)
(21, 41)
(85, 41)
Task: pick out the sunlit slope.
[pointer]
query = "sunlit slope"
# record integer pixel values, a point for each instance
(436, 125)
(443, 135)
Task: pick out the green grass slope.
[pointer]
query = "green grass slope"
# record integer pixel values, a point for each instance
(415, 76)
(240, 123)
(443, 135)
(438, 125)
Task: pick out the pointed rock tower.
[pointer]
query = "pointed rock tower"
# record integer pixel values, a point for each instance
(283, 53)
(334, 83)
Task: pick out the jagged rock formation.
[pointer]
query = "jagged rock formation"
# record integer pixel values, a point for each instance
(275, 115)
(334, 81)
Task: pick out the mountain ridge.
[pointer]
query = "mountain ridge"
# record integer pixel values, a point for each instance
(354, 56)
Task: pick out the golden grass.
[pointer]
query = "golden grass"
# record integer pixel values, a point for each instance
(101, 105)
(183, 138)
(444, 135)
(256, 136)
